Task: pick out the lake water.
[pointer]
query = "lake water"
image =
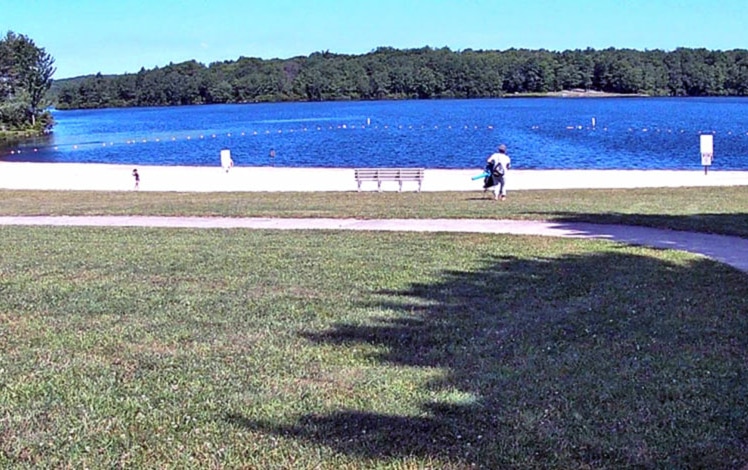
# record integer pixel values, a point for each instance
(547, 133)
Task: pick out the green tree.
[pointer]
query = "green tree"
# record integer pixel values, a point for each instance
(25, 78)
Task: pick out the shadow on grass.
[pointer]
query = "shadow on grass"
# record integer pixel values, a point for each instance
(724, 224)
(596, 360)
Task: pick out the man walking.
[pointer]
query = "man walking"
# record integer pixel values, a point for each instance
(497, 165)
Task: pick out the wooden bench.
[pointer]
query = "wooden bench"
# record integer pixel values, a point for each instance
(389, 174)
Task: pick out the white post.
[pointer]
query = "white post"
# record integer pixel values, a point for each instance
(226, 161)
(707, 150)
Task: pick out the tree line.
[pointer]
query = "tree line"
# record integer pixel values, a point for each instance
(26, 72)
(424, 73)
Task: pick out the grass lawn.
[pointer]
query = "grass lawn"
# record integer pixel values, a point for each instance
(712, 209)
(164, 348)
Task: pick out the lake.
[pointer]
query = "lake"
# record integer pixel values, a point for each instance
(541, 133)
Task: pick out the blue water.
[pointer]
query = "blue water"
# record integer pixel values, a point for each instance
(547, 133)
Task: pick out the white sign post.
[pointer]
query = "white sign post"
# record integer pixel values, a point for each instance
(707, 151)
(226, 161)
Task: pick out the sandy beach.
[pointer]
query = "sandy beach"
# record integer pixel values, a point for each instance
(107, 177)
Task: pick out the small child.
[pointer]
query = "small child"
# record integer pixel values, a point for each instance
(137, 178)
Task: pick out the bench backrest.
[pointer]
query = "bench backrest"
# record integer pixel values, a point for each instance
(395, 174)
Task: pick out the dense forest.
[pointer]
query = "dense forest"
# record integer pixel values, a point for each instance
(25, 77)
(425, 73)
(385, 73)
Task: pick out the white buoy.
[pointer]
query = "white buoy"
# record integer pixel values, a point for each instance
(593, 122)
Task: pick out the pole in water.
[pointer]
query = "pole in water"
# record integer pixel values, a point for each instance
(368, 121)
(593, 122)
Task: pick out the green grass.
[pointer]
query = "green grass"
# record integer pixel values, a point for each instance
(715, 209)
(163, 348)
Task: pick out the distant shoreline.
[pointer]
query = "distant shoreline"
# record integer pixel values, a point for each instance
(577, 93)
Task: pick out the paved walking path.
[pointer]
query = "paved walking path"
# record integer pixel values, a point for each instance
(726, 249)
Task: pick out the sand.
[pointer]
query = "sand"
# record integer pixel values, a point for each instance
(107, 177)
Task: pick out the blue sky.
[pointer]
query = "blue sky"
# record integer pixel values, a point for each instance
(121, 36)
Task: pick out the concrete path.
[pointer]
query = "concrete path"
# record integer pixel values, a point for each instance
(726, 249)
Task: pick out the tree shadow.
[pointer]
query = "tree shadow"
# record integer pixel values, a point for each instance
(735, 224)
(587, 360)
